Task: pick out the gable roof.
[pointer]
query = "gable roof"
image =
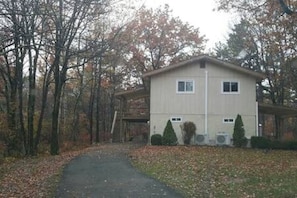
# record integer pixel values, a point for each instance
(206, 58)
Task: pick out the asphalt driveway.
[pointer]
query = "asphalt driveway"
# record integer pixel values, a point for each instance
(107, 173)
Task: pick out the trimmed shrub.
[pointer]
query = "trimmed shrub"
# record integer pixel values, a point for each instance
(284, 145)
(156, 139)
(189, 130)
(265, 143)
(169, 136)
(239, 139)
(260, 142)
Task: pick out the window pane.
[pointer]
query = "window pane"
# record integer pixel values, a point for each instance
(189, 86)
(226, 86)
(181, 86)
(234, 86)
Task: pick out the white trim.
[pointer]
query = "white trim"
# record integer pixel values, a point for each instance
(230, 81)
(185, 80)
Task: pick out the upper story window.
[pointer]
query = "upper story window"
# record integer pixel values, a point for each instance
(230, 87)
(185, 86)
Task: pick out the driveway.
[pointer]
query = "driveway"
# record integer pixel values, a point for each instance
(107, 173)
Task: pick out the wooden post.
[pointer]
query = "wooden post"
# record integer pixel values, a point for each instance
(113, 123)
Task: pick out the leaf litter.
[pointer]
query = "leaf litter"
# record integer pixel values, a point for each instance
(203, 171)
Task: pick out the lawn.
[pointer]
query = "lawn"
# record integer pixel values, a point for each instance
(198, 171)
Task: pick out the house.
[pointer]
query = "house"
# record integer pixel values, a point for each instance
(208, 92)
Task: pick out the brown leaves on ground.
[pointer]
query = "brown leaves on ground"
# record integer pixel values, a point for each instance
(33, 177)
(39, 176)
(221, 172)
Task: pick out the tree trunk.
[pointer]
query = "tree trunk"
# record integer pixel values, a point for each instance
(98, 85)
(42, 111)
(55, 119)
(59, 78)
(90, 114)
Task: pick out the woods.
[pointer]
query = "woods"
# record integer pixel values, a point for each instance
(62, 61)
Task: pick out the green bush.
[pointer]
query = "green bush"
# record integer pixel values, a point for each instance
(284, 145)
(265, 143)
(156, 139)
(239, 139)
(189, 130)
(260, 142)
(291, 145)
(169, 136)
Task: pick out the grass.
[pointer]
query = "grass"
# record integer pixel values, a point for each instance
(221, 172)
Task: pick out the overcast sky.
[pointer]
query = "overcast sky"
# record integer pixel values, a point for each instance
(200, 13)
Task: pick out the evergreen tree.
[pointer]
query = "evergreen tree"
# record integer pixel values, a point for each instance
(169, 136)
(239, 139)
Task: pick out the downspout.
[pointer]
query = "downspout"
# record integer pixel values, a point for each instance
(206, 104)
(257, 119)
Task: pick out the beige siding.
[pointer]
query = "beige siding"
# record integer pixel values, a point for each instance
(166, 102)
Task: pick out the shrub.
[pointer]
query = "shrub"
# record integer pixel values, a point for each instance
(260, 142)
(189, 130)
(239, 139)
(265, 143)
(156, 139)
(169, 136)
(284, 145)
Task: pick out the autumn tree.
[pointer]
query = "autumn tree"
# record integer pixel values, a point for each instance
(20, 48)
(70, 19)
(155, 39)
(105, 66)
(267, 44)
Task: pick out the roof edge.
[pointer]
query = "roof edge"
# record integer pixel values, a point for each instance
(257, 75)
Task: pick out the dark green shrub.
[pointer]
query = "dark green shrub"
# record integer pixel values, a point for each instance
(169, 136)
(239, 139)
(284, 145)
(291, 145)
(189, 130)
(260, 142)
(156, 139)
(265, 143)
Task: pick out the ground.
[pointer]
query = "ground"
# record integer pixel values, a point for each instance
(99, 171)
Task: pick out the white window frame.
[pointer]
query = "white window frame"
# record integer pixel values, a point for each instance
(230, 92)
(185, 81)
(176, 119)
(228, 120)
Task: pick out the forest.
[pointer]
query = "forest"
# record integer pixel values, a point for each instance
(62, 61)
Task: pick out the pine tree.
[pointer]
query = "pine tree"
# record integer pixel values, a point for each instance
(169, 136)
(239, 139)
